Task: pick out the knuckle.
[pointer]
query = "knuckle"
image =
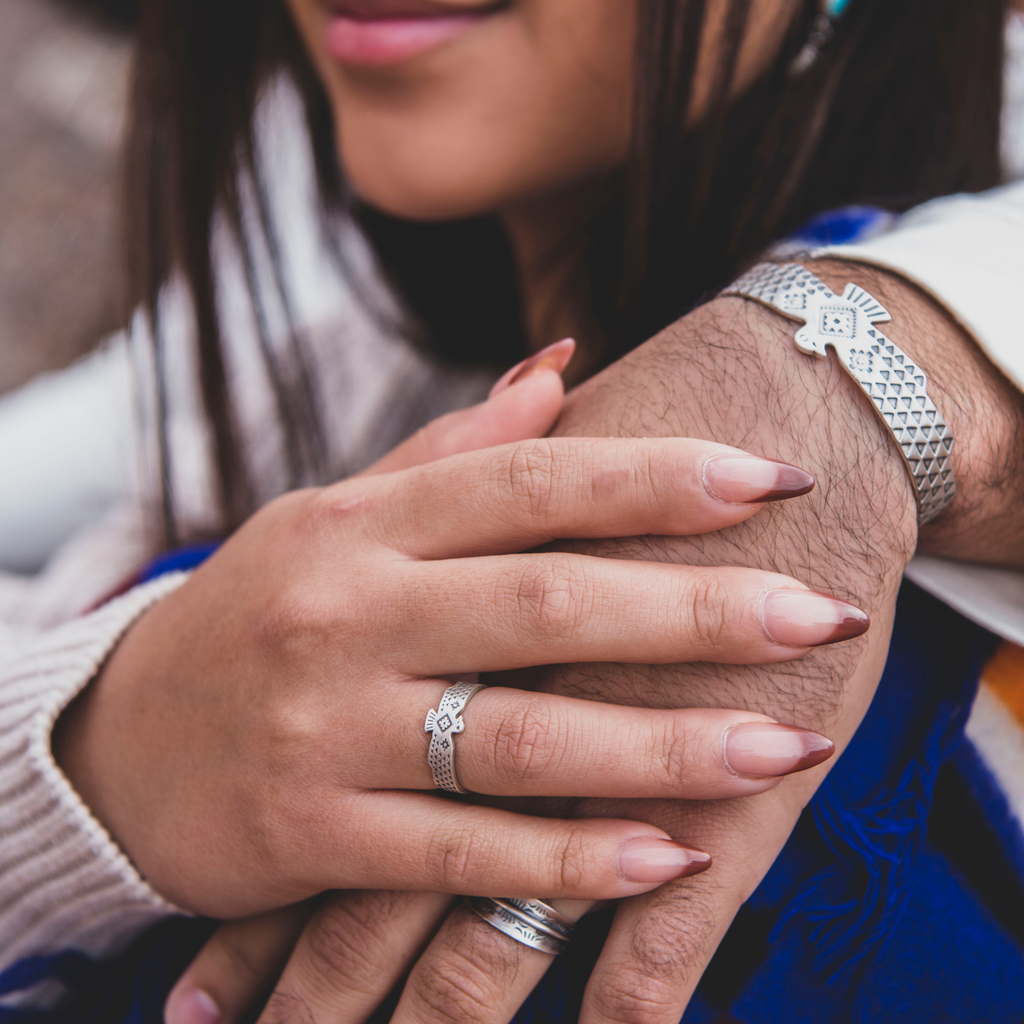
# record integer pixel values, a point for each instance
(571, 860)
(292, 616)
(463, 980)
(456, 856)
(531, 477)
(286, 1008)
(359, 509)
(674, 939)
(528, 742)
(552, 598)
(708, 610)
(676, 754)
(338, 505)
(345, 945)
(454, 991)
(668, 949)
(625, 997)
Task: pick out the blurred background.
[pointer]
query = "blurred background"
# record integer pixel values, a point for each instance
(64, 69)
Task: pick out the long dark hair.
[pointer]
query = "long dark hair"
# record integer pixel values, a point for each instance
(903, 105)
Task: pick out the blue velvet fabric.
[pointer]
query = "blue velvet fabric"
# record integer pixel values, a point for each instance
(843, 226)
(874, 911)
(179, 560)
(869, 914)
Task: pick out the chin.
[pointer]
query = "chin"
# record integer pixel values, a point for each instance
(424, 199)
(426, 183)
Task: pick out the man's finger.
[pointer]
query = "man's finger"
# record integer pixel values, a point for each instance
(352, 954)
(662, 941)
(236, 966)
(472, 973)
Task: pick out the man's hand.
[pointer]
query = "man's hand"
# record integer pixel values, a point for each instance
(730, 371)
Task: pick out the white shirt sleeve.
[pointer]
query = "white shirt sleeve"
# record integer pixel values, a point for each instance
(967, 252)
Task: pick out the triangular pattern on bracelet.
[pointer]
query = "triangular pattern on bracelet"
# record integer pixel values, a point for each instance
(896, 387)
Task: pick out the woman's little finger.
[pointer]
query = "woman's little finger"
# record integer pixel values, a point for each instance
(352, 954)
(238, 964)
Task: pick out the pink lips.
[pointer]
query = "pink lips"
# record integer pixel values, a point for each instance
(377, 33)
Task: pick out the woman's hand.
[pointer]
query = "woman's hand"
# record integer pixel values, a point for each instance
(359, 943)
(258, 735)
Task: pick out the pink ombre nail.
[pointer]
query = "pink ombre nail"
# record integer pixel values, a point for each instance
(747, 479)
(767, 750)
(651, 859)
(555, 357)
(804, 618)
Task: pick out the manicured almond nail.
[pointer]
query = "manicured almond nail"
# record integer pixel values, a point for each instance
(555, 357)
(762, 750)
(804, 618)
(195, 1007)
(659, 860)
(745, 479)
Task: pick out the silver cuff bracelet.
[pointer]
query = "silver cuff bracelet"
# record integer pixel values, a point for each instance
(896, 386)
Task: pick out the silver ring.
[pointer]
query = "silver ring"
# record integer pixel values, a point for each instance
(444, 723)
(543, 914)
(530, 922)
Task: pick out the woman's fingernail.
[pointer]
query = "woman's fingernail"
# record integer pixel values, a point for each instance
(659, 860)
(805, 618)
(761, 750)
(195, 1007)
(555, 357)
(746, 479)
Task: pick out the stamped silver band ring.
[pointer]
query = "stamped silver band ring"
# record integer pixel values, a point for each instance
(543, 913)
(531, 923)
(443, 724)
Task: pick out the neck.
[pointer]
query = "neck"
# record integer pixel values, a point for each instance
(549, 241)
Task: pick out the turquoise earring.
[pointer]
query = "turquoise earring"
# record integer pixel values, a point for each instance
(822, 31)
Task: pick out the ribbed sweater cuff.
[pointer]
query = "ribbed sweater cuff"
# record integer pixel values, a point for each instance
(64, 883)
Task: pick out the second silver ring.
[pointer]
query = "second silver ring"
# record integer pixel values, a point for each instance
(531, 923)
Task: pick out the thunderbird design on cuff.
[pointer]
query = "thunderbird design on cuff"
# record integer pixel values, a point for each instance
(443, 724)
(896, 386)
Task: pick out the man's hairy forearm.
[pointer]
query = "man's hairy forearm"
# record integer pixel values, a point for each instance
(730, 372)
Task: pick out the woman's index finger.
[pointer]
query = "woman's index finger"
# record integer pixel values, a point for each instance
(517, 496)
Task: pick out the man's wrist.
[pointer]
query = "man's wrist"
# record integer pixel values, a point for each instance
(984, 410)
(730, 372)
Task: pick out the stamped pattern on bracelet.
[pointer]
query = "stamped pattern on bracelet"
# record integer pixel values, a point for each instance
(896, 386)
